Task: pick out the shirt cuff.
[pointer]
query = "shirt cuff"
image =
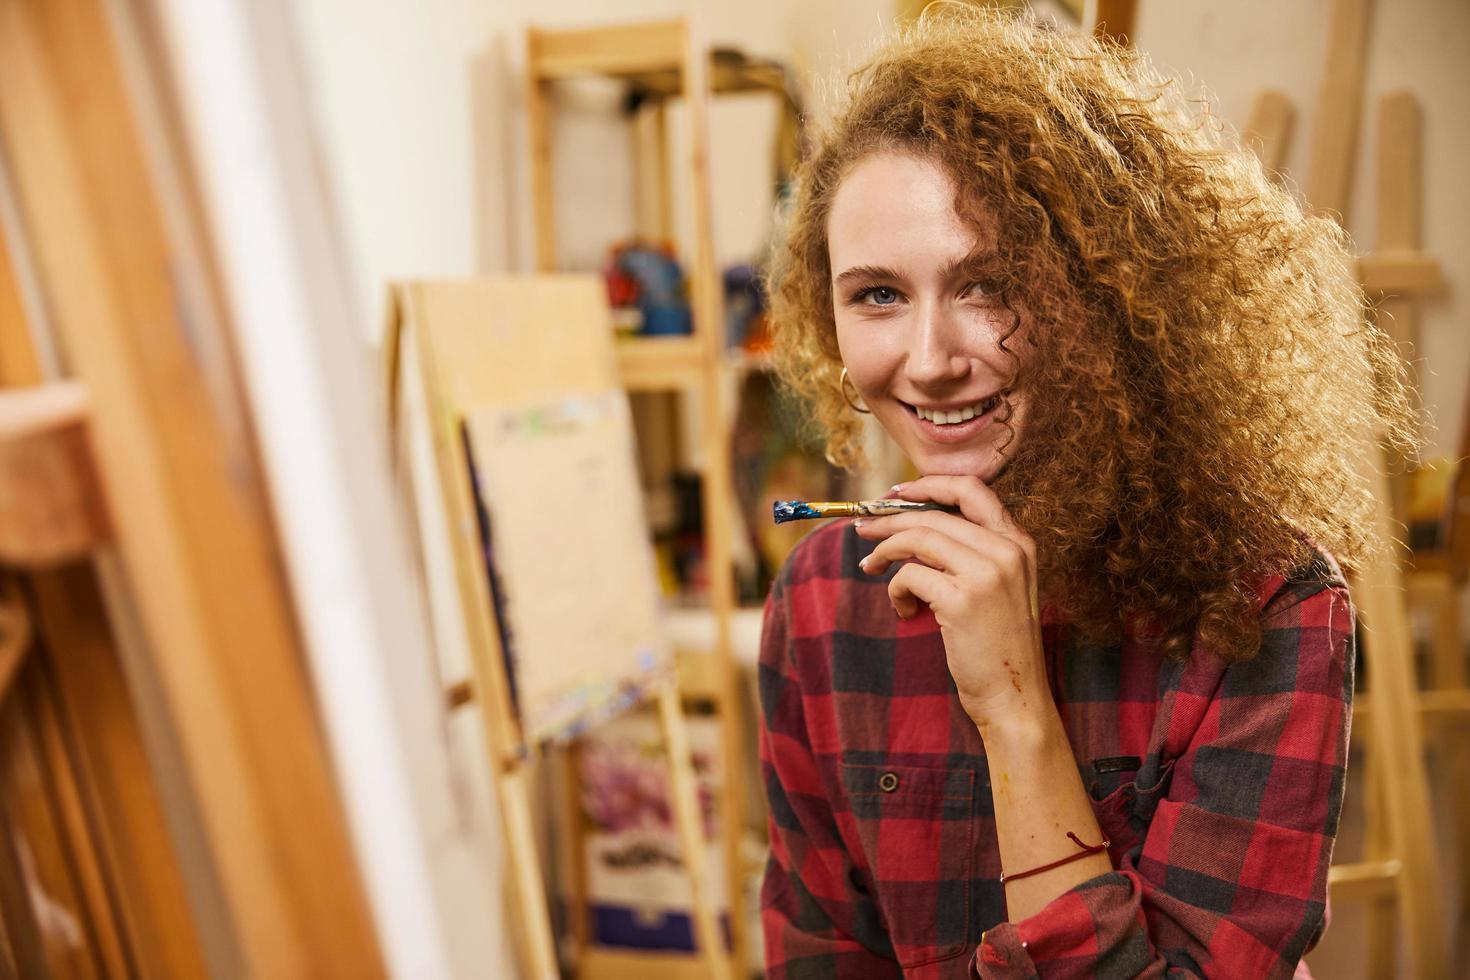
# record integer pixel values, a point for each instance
(1002, 955)
(1070, 927)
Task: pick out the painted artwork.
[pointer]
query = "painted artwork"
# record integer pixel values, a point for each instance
(563, 530)
(637, 889)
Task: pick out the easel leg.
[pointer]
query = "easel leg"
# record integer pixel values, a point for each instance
(574, 847)
(1448, 674)
(691, 836)
(1379, 913)
(1448, 669)
(1396, 738)
(538, 944)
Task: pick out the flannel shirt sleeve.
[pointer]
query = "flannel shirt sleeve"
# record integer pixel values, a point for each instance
(811, 911)
(1231, 876)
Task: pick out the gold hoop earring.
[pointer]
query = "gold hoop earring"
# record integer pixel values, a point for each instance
(842, 384)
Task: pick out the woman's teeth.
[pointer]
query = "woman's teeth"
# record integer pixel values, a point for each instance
(958, 415)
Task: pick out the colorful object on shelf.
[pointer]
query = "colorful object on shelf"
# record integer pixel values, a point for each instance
(745, 310)
(1429, 489)
(801, 510)
(647, 277)
(637, 888)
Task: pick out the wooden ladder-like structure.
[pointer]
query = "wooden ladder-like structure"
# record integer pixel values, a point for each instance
(666, 60)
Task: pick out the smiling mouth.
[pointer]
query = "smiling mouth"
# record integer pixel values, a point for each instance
(958, 416)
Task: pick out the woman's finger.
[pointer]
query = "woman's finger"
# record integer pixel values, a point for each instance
(934, 548)
(913, 585)
(1004, 550)
(977, 502)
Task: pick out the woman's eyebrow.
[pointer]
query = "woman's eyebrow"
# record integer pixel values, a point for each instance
(952, 270)
(865, 273)
(967, 264)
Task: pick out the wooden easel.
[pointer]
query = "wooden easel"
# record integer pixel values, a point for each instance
(488, 342)
(1394, 275)
(1401, 867)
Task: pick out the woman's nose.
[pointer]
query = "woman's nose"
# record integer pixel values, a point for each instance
(936, 355)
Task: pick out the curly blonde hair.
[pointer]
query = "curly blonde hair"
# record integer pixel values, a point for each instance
(1205, 369)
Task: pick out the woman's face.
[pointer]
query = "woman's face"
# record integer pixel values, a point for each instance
(920, 341)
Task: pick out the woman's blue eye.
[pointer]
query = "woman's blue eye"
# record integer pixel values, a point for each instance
(880, 295)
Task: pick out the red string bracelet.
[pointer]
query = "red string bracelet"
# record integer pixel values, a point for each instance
(1086, 850)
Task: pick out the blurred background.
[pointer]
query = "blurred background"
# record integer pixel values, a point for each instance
(260, 264)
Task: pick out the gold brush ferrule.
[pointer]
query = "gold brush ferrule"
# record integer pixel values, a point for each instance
(837, 508)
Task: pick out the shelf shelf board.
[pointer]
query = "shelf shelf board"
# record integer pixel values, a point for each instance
(618, 50)
(748, 361)
(730, 73)
(700, 676)
(649, 57)
(660, 363)
(614, 963)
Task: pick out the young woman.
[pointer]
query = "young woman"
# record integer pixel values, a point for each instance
(1095, 722)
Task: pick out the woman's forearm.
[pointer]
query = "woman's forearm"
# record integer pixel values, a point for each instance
(1039, 798)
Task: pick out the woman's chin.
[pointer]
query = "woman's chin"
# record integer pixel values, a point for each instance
(986, 464)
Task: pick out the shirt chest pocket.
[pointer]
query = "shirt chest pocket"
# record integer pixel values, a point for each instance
(1124, 798)
(917, 829)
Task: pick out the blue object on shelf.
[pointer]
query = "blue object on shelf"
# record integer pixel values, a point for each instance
(661, 295)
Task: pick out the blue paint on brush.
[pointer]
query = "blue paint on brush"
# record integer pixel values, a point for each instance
(792, 510)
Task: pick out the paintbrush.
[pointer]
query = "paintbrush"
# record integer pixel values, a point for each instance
(802, 510)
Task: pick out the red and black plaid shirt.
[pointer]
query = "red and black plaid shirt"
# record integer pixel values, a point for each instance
(1219, 787)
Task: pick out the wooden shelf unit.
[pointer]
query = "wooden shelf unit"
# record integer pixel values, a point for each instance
(661, 363)
(660, 61)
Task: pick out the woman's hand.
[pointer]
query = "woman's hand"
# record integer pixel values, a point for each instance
(977, 571)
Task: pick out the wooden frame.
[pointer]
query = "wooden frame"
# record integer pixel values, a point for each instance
(136, 310)
(83, 680)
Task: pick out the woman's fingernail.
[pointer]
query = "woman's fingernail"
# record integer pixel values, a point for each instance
(898, 487)
(858, 522)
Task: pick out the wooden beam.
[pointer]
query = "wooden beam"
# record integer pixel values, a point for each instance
(84, 669)
(1113, 19)
(19, 358)
(543, 187)
(1339, 103)
(1268, 132)
(660, 363)
(15, 633)
(1400, 172)
(51, 511)
(1437, 709)
(1396, 737)
(618, 49)
(1364, 879)
(1399, 272)
(717, 483)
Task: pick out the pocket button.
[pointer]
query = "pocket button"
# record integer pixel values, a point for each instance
(888, 782)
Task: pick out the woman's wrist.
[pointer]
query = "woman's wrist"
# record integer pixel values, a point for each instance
(1024, 733)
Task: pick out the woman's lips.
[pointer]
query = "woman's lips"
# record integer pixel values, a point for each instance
(956, 431)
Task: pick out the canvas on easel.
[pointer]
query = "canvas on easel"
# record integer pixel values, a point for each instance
(557, 495)
(531, 442)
